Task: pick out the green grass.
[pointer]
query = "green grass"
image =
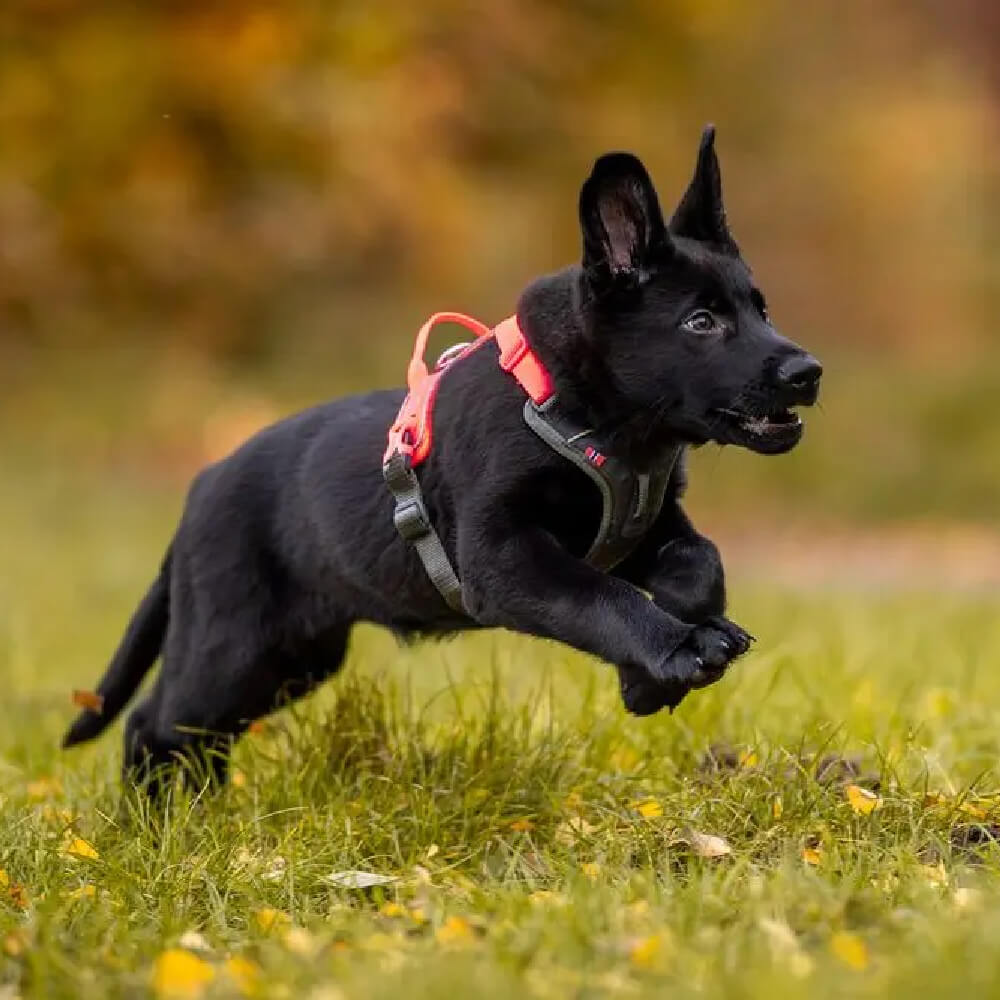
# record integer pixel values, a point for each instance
(499, 781)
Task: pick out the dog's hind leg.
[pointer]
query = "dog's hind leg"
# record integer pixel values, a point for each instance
(199, 707)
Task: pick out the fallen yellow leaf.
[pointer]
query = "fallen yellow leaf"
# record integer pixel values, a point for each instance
(591, 869)
(545, 896)
(194, 940)
(44, 788)
(455, 930)
(82, 892)
(178, 973)
(238, 779)
(970, 809)
(522, 825)
(648, 808)
(862, 800)
(777, 808)
(77, 847)
(649, 952)
(748, 759)
(625, 759)
(850, 949)
(572, 829)
(812, 855)
(4, 879)
(300, 942)
(432, 852)
(707, 845)
(89, 700)
(269, 919)
(244, 973)
(15, 943)
(392, 910)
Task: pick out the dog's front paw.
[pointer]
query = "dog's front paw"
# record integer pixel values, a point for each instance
(704, 655)
(642, 695)
(717, 643)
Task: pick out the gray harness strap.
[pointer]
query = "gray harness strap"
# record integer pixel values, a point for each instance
(414, 524)
(631, 500)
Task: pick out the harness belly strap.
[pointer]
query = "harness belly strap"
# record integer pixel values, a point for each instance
(631, 500)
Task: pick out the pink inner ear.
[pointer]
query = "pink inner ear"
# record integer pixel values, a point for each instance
(621, 235)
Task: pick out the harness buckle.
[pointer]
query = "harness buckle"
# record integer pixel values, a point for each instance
(410, 515)
(410, 518)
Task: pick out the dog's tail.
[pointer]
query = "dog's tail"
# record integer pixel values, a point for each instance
(137, 652)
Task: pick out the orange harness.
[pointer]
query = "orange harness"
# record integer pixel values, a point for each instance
(632, 499)
(412, 432)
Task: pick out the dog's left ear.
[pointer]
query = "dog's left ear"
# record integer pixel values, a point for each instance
(621, 221)
(701, 214)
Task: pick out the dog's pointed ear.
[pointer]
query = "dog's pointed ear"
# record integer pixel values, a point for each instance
(701, 214)
(621, 220)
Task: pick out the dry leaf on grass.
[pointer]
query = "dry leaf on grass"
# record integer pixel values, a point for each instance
(44, 788)
(89, 700)
(179, 974)
(300, 942)
(15, 944)
(707, 845)
(244, 973)
(77, 847)
(850, 949)
(269, 919)
(194, 941)
(649, 952)
(569, 831)
(14, 893)
(455, 930)
(648, 808)
(359, 880)
(522, 825)
(861, 800)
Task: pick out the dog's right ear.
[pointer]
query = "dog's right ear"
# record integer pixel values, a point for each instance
(621, 221)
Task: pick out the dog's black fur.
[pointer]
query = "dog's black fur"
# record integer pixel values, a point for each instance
(659, 338)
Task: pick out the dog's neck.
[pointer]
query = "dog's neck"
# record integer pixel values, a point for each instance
(554, 315)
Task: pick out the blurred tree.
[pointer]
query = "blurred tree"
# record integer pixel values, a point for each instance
(206, 172)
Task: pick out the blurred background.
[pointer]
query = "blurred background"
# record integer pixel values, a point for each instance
(213, 213)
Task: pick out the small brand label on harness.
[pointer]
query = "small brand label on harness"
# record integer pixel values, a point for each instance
(594, 456)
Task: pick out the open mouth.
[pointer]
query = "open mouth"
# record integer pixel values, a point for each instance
(773, 431)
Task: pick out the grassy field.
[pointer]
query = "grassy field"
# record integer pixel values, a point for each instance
(819, 824)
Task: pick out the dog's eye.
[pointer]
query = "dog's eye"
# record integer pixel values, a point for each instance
(700, 321)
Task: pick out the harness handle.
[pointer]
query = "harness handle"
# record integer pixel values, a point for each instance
(417, 372)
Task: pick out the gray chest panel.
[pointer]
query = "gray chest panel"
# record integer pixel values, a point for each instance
(631, 500)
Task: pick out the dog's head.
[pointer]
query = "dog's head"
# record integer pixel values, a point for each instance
(683, 333)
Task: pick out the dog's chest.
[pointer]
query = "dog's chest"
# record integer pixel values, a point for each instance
(568, 506)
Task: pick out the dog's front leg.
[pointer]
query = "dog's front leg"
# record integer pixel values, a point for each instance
(523, 580)
(682, 571)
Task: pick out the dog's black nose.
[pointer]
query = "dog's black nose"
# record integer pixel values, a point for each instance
(801, 371)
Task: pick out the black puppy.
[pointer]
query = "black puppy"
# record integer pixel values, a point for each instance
(660, 338)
